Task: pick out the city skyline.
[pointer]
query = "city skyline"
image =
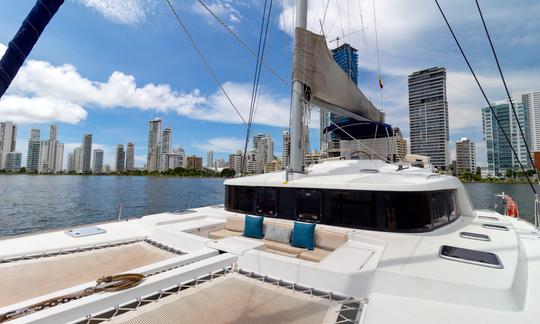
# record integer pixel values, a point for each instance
(200, 116)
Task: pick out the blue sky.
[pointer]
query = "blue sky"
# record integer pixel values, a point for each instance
(106, 67)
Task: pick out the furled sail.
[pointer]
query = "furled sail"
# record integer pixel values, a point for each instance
(25, 39)
(328, 85)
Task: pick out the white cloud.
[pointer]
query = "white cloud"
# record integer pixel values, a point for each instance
(222, 144)
(222, 8)
(42, 92)
(272, 110)
(121, 11)
(40, 110)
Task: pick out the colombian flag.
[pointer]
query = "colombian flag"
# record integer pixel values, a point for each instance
(381, 84)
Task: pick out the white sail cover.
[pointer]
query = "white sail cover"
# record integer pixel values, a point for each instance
(330, 87)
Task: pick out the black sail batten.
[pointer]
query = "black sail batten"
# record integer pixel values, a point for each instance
(28, 34)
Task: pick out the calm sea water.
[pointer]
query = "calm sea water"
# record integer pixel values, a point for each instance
(33, 203)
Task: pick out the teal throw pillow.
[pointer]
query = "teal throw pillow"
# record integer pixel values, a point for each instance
(253, 226)
(303, 235)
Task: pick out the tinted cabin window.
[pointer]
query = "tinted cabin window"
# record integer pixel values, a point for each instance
(407, 211)
(353, 208)
(309, 205)
(375, 210)
(240, 198)
(267, 201)
(443, 207)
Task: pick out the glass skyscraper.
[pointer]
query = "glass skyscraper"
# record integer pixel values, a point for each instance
(499, 153)
(428, 115)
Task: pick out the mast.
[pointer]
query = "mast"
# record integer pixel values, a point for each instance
(297, 105)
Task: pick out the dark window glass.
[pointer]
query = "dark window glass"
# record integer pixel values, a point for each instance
(487, 259)
(376, 210)
(407, 211)
(443, 207)
(240, 199)
(309, 205)
(267, 201)
(352, 208)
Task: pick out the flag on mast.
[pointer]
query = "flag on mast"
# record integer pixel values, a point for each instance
(381, 84)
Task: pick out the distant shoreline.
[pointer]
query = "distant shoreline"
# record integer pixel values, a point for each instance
(113, 175)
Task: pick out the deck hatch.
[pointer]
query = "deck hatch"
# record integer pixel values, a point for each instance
(488, 218)
(85, 231)
(475, 236)
(480, 258)
(495, 227)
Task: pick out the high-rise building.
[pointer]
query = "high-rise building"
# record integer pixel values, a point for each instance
(120, 160)
(154, 143)
(32, 157)
(235, 162)
(220, 163)
(346, 57)
(71, 162)
(97, 159)
(130, 156)
(286, 148)
(51, 153)
(531, 101)
(400, 143)
(77, 159)
(428, 115)
(12, 161)
(210, 159)
(465, 156)
(86, 153)
(194, 162)
(166, 140)
(8, 137)
(263, 151)
(500, 157)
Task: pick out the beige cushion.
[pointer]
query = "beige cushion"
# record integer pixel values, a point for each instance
(223, 234)
(329, 240)
(281, 253)
(235, 223)
(316, 255)
(283, 247)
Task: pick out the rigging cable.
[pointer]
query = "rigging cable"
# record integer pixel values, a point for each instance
(203, 58)
(378, 57)
(244, 45)
(484, 94)
(258, 68)
(505, 86)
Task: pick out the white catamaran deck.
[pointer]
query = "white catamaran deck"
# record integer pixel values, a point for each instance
(391, 277)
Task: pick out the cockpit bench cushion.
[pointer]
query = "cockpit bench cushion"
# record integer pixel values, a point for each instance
(303, 235)
(223, 233)
(278, 233)
(253, 226)
(235, 223)
(283, 247)
(329, 240)
(316, 255)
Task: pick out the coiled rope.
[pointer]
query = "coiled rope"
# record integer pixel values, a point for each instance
(104, 284)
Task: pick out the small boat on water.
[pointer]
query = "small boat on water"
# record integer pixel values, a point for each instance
(343, 241)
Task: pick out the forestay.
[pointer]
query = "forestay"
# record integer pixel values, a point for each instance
(328, 85)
